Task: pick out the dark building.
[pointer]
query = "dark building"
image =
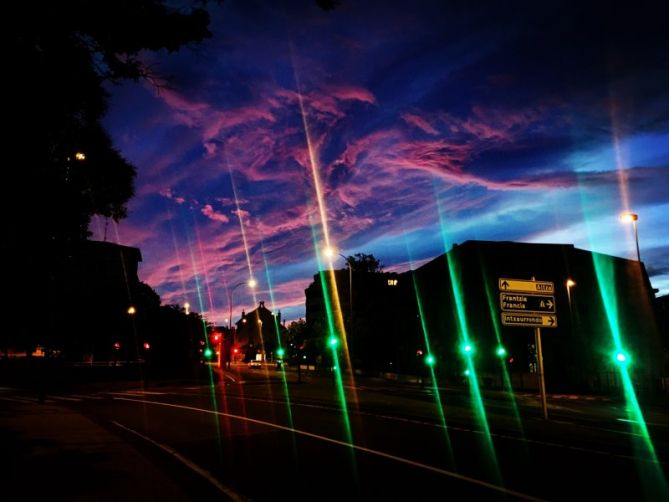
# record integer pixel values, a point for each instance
(259, 331)
(372, 318)
(84, 307)
(457, 297)
(102, 286)
(662, 312)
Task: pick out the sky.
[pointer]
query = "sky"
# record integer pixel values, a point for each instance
(395, 129)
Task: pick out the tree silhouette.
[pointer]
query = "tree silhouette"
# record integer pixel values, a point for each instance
(60, 166)
(361, 262)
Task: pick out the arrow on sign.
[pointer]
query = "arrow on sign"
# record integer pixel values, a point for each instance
(549, 304)
(505, 285)
(551, 320)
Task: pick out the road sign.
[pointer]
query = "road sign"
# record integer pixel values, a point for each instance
(527, 303)
(529, 320)
(544, 287)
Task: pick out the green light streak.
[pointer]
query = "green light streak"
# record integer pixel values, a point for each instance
(433, 380)
(652, 476)
(279, 347)
(210, 374)
(465, 339)
(506, 385)
(326, 278)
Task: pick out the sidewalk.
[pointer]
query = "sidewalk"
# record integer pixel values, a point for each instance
(51, 451)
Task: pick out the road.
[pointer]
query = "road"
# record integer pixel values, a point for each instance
(256, 435)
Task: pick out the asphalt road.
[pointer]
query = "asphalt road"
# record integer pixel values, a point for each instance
(257, 436)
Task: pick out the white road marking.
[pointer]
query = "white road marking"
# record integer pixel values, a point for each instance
(137, 393)
(64, 398)
(378, 453)
(188, 463)
(461, 429)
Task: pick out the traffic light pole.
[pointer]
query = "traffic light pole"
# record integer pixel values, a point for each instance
(540, 374)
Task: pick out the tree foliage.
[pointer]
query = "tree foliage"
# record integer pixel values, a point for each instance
(58, 60)
(361, 262)
(60, 56)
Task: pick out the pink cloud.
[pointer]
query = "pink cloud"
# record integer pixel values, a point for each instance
(351, 93)
(167, 193)
(420, 123)
(209, 212)
(178, 102)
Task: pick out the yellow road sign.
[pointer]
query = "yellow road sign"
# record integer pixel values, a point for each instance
(529, 320)
(544, 287)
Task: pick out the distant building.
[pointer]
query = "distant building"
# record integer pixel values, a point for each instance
(457, 297)
(662, 312)
(103, 286)
(259, 331)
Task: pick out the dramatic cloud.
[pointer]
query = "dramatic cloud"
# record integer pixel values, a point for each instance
(426, 125)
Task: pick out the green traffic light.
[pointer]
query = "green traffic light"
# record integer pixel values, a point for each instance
(430, 360)
(468, 349)
(208, 353)
(333, 341)
(621, 358)
(501, 351)
(280, 352)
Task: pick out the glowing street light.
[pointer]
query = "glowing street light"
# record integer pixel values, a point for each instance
(330, 253)
(632, 218)
(570, 283)
(132, 310)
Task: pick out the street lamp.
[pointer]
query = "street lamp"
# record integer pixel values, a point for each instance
(330, 253)
(251, 283)
(632, 218)
(570, 284)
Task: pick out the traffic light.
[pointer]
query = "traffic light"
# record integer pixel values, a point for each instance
(208, 353)
(501, 351)
(430, 360)
(467, 349)
(621, 358)
(332, 341)
(280, 352)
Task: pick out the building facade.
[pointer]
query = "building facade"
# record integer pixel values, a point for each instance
(259, 332)
(458, 299)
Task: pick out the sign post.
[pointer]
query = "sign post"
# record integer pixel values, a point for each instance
(530, 304)
(540, 374)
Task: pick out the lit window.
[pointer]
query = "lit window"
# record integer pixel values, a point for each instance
(392, 282)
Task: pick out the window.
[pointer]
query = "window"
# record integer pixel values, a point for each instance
(392, 282)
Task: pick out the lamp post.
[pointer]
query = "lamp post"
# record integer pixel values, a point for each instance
(251, 283)
(330, 253)
(632, 218)
(570, 283)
